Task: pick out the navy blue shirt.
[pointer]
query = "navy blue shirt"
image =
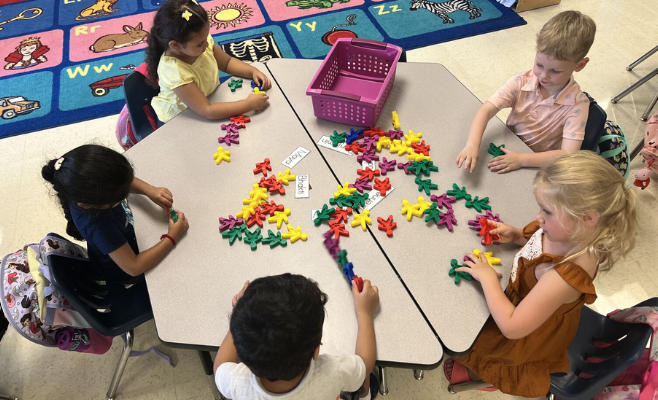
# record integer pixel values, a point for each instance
(105, 231)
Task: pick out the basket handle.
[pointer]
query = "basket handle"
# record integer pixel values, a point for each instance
(341, 94)
(373, 44)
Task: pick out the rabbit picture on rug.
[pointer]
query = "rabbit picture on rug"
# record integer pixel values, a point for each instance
(113, 41)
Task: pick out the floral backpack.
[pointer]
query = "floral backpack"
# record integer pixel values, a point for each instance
(614, 147)
(640, 380)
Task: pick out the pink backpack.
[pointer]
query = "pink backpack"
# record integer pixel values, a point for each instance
(650, 150)
(640, 380)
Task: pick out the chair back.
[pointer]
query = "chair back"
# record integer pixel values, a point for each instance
(595, 126)
(138, 100)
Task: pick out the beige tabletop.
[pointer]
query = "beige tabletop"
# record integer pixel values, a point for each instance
(191, 289)
(430, 100)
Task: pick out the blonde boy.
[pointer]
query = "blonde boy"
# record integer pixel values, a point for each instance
(549, 111)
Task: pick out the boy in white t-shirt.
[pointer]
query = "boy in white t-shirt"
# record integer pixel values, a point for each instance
(272, 349)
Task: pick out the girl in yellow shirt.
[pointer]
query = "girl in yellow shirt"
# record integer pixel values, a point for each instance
(184, 61)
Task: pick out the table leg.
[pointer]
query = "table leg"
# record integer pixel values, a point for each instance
(644, 57)
(419, 374)
(383, 381)
(636, 150)
(206, 361)
(645, 116)
(637, 84)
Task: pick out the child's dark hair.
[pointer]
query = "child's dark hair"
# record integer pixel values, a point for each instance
(169, 24)
(89, 174)
(277, 325)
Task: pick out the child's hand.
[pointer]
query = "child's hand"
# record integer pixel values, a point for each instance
(178, 228)
(468, 157)
(505, 163)
(479, 269)
(257, 101)
(240, 293)
(506, 233)
(161, 196)
(366, 301)
(261, 79)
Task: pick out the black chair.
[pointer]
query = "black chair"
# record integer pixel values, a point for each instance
(138, 99)
(595, 125)
(111, 309)
(629, 342)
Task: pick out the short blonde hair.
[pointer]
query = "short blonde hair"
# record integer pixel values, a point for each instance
(583, 181)
(567, 36)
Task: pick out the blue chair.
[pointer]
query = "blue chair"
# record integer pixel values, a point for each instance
(110, 309)
(595, 126)
(631, 340)
(138, 99)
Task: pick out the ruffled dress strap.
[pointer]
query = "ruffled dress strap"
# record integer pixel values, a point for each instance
(530, 229)
(578, 278)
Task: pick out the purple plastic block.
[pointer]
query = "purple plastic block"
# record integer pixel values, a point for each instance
(443, 200)
(369, 142)
(231, 127)
(490, 216)
(368, 156)
(447, 219)
(361, 185)
(229, 223)
(229, 138)
(385, 165)
(395, 135)
(405, 167)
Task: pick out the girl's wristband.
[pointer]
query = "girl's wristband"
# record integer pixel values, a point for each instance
(168, 237)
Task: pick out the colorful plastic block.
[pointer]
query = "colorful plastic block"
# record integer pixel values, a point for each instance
(257, 90)
(257, 194)
(367, 156)
(248, 210)
(485, 232)
(231, 128)
(229, 223)
(433, 214)
(355, 147)
(361, 184)
(338, 229)
(271, 207)
(252, 238)
(222, 155)
(443, 200)
(173, 214)
(324, 214)
(399, 147)
(337, 138)
(423, 167)
(478, 204)
(362, 219)
(331, 244)
(234, 233)
(342, 201)
(386, 165)
(488, 256)
(341, 215)
(412, 138)
(387, 225)
(358, 282)
(370, 143)
(382, 186)
(240, 120)
(358, 199)
(263, 167)
(286, 177)
(348, 271)
(230, 138)
(383, 142)
(256, 218)
(345, 190)
(458, 276)
(448, 219)
(418, 157)
(272, 185)
(279, 218)
(353, 136)
(405, 167)
(295, 234)
(425, 185)
(411, 210)
(396, 120)
(235, 84)
(421, 148)
(274, 239)
(496, 150)
(367, 173)
(374, 132)
(458, 193)
(395, 134)
(256, 85)
(342, 257)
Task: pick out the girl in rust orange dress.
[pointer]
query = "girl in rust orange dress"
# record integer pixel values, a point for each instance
(587, 220)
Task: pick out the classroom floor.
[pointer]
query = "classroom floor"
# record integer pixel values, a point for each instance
(626, 30)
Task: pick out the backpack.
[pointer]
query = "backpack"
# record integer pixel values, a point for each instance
(614, 147)
(640, 380)
(35, 309)
(650, 150)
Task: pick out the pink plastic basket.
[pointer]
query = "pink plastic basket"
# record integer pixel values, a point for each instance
(354, 81)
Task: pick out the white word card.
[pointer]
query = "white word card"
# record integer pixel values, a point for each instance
(325, 141)
(295, 157)
(302, 186)
(375, 197)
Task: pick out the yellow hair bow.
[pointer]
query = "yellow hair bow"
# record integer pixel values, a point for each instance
(195, 2)
(187, 14)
